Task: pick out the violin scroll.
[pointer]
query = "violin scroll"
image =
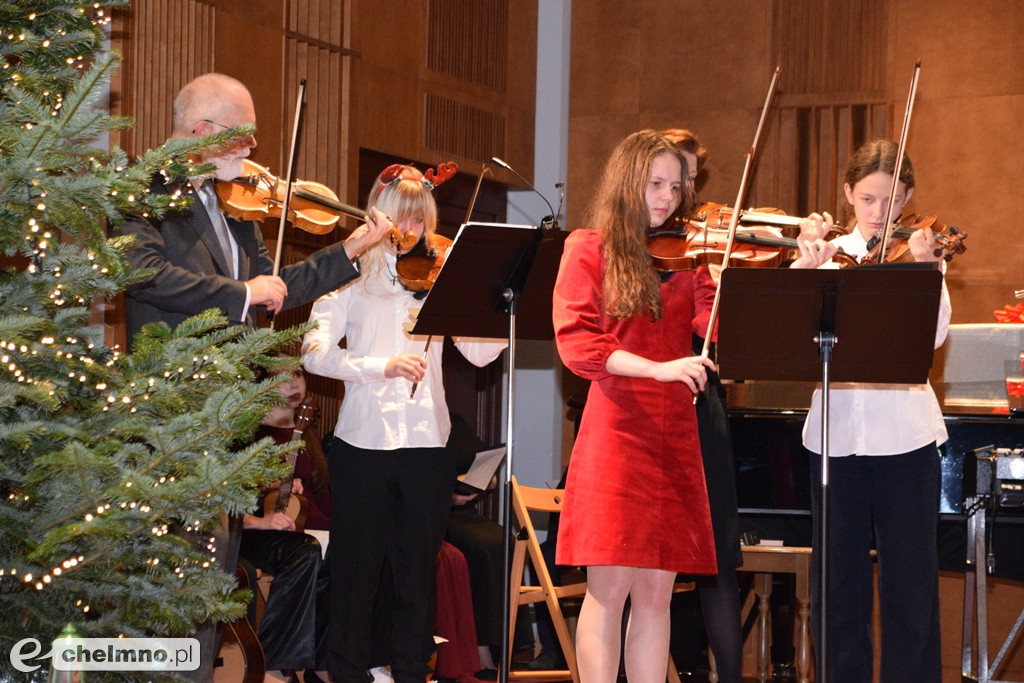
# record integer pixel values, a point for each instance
(402, 241)
(950, 240)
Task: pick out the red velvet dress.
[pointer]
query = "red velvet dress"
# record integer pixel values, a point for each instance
(635, 494)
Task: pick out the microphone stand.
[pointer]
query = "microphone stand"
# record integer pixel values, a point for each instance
(550, 221)
(510, 297)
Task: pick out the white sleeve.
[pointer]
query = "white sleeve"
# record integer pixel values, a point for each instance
(321, 354)
(479, 351)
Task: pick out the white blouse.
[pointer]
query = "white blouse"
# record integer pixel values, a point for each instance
(378, 412)
(879, 419)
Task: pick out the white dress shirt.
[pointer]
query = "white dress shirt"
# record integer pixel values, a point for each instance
(377, 412)
(879, 419)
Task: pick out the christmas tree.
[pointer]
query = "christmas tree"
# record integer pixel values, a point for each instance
(107, 460)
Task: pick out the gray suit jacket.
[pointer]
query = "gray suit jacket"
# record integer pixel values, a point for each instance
(192, 275)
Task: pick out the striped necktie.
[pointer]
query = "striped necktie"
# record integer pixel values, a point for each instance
(220, 226)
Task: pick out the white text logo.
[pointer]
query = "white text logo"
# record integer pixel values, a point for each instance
(111, 654)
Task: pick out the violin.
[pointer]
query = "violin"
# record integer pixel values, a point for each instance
(417, 269)
(673, 250)
(313, 207)
(699, 240)
(897, 250)
(717, 216)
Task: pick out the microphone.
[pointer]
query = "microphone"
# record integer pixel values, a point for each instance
(560, 186)
(549, 221)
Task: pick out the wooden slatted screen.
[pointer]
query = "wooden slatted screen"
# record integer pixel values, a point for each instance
(314, 34)
(834, 95)
(468, 39)
(159, 40)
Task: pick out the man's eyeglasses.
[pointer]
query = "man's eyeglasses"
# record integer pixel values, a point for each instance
(248, 139)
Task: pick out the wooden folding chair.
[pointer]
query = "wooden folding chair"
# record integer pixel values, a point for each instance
(525, 500)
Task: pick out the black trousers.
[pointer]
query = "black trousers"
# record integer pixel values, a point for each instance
(482, 541)
(389, 510)
(897, 497)
(293, 631)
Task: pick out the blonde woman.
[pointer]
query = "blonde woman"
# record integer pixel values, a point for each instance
(391, 475)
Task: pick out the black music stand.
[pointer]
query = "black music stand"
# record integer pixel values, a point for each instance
(491, 273)
(885, 317)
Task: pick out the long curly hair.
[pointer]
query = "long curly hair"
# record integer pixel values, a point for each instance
(620, 214)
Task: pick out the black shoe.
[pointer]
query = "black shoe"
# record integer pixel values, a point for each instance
(548, 660)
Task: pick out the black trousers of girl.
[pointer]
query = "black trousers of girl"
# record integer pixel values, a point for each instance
(389, 511)
(897, 496)
(719, 594)
(293, 631)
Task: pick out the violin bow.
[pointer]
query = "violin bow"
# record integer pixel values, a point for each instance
(426, 347)
(484, 168)
(291, 174)
(734, 219)
(889, 223)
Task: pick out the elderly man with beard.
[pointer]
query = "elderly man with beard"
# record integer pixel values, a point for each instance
(203, 259)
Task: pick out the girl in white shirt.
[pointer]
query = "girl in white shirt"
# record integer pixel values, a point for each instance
(391, 476)
(884, 473)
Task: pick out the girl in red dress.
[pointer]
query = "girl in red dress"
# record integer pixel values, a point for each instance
(636, 507)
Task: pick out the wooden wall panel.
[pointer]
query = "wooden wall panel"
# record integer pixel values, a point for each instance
(846, 68)
(449, 80)
(313, 51)
(461, 129)
(157, 39)
(370, 70)
(818, 52)
(483, 24)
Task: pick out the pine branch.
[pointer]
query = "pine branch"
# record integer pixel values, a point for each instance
(113, 467)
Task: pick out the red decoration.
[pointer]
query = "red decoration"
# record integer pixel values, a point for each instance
(444, 172)
(1010, 314)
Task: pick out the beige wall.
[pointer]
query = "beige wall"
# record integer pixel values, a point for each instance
(706, 65)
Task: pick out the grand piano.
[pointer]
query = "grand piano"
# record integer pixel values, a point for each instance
(773, 470)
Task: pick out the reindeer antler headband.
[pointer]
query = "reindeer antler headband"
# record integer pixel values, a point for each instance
(431, 179)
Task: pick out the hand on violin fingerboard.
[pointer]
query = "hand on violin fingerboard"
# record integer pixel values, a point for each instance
(814, 251)
(367, 234)
(924, 247)
(817, 225)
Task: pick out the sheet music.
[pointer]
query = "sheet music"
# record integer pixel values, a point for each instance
(485, 464)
